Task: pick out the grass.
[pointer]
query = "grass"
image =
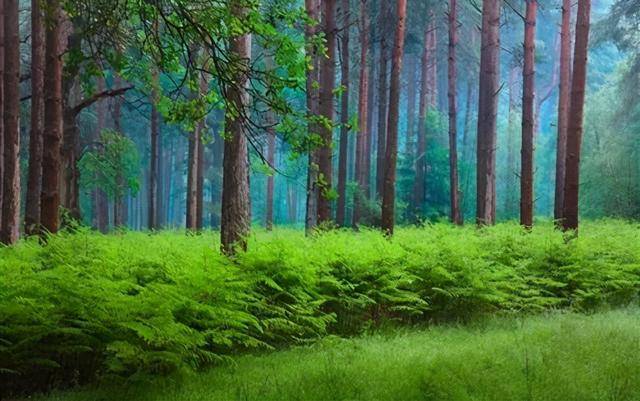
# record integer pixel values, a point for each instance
(87, 308)
(559, 357)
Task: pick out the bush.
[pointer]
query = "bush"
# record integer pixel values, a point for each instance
(89, 307)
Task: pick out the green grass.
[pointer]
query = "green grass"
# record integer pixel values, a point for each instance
(560, 357)
(89, 308)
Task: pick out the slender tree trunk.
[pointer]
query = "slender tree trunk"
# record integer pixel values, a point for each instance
(195, 142)
(1, 108)
(152, 212)
(487, 113)
(467, 150)
(563, 107)
(123, 209)
(576, 117)
(271, 159)
(512, 173)
(34, 180)
(216, 181)
(528, 115)
(327, 86)
(363, 108)
(411, 103)
(11, 192)
(313, 10)
(433, 62)
(344, 117)
(372, 117)
(50, 197)
(100, 206)
(236, 218)
(391, 152)
(383, 22)
(200, 185)
(453, 115)
(421, 143)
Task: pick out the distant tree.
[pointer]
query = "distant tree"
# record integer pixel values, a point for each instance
(113, 165)
(456, 216)
(421, 140)
(344, 114)
(361, 169)
(391, 152)
(384, 16)
(312, 8)
(576, 118)
(487, 113)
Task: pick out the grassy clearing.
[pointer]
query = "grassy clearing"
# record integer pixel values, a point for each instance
(560, 357)
(88, 308)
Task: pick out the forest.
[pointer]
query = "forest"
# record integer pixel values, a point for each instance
(319, 200)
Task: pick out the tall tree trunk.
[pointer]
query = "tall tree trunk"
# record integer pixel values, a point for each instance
(391, 151)
(200, 185)
(34, 180)
(576, 117)
(100, 206)
(1, 107)
(216, 181)
(372, 117)
(467, 145)
(344, 117)
(411, 103)
(363, 109)
(383, 22)
(50, 197)
(121, 218)
(236, 218)
(433, 62)
(11, 193)
(528, 115)
(195, 142)
(453, 115)
(421, 143)
(327, 86)
(487, 113)
(311, 30)
(563, 107)
(152, 212)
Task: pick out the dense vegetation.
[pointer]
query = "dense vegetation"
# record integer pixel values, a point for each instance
(89, 307)
(556, 357)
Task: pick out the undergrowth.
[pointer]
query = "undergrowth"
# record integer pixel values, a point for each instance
(89, 307)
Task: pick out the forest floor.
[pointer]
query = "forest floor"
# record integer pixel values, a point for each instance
(556, 356)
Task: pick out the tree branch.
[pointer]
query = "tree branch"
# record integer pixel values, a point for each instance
(91, 100)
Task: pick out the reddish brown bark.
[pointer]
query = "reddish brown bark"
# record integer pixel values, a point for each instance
(563, 107)
(1, 107)
(528, 115)
(152, 211)
(391, 152)
(11, 182)
(383, 25)
(576, 117)
(327, 86)
(511, 200)
(50, 198)
(453, 115)
(34, 180)
(411, 102)
(487, 113)
(363, 107)
(344, 116)
(312, 8)
(236, 213)
(195, 143)
(421, 143)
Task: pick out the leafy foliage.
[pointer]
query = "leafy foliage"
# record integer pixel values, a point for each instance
(87, 306)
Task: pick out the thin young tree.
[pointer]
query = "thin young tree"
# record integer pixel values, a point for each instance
(421, 141)
(235, 219)
(154, 132)
(487, 113)
(50, 197)
(576, 118)
(11, 182)
(528, 115)
(344, 114)
(563, 107)
(391, 152)
(327, 87)
(34, 180)
(456, 216)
